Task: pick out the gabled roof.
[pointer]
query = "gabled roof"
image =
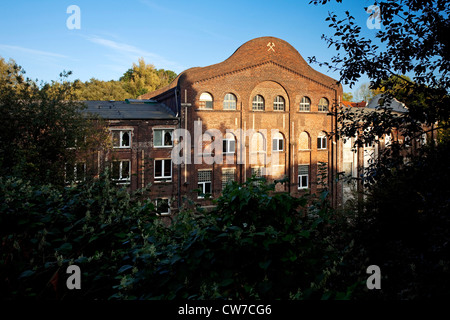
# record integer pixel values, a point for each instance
(252, 54)
(128, 109)
(393, 104)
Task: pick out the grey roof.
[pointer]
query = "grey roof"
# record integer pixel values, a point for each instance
(393, 104)
(129, 109)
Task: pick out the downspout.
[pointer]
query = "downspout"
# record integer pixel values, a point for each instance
(179, 165)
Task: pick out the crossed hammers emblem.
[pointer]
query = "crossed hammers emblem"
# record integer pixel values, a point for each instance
(271, 45)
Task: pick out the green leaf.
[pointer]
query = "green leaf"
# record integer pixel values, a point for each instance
(124, 268)
(65, 248)
(26, 274)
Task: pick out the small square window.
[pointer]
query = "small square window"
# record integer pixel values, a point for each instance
(163, 137)
(121, 171)
(204, 183)
(121, 138)
(163, 169)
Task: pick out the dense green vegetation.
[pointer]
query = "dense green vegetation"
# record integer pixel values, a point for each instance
(256, 243)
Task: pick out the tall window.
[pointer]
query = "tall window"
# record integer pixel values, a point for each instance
(163, 169)
(323, 104)
(121, 138)
(258, 103)
(229, 102)
(322, 141)
(229, 143)
(204, 182)
(303, 176)
(121, 171)
(206, 101)
(305, 104)
(278, 104)
(76, 173)
(278, 142)
(228, 175)
(162, 137)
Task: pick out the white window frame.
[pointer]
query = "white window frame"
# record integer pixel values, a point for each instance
(320, 145)
(301, 175)
(258, 103)
(228, 146)
(121, 179)
(207, 99)
(162, 177)
(229, 102)
(202, 185)
(168, 206)
(121, 132)
(322, 107)
(305, 104)
(163, 133)
(276, 143)
(279, 103)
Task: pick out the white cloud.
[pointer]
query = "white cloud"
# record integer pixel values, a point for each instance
(6, 47)
(133, 53)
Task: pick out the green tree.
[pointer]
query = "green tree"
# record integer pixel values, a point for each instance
(141, 78)
(95, 89)
(404, 225)
(347, 96)
(42, 129)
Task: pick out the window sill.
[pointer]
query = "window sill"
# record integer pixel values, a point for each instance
(163, 147)
(122, 147)
(163, 180)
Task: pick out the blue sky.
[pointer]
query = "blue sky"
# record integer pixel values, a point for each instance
(174, 35)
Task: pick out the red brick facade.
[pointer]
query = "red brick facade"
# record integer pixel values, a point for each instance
(274, 70)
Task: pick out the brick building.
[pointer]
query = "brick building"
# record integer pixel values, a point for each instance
(274, 112)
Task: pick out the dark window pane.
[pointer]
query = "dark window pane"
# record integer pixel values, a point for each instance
(208, 187)
(167, 168)
(158, 168)
(168, 138)
(125, 169)
(116, 170)
(125, 139)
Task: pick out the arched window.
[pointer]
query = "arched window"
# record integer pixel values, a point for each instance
(278, 142)
(322, 141)
(305, 104)
(258, 103)
(229, 102)
(278, 104)
(323, 104)
(206, 101)
(304, 141)
(258, 143)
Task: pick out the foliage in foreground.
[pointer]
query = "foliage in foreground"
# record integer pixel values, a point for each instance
(254, 245)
